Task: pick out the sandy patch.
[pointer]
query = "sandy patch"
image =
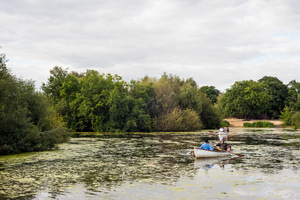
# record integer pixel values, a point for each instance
(240, 122)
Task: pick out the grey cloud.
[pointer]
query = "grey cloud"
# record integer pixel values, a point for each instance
(214, 41)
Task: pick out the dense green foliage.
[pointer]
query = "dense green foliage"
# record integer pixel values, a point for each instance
(286, 115)
(294, 95)
(245, 99)
(259, 124)
(225, 123)
(27, 122)
(295, 120)
(268, 98)
(290, 113)
(278, 93)
(211, 92)
(96, 102)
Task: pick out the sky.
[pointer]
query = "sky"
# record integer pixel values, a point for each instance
(215, 42)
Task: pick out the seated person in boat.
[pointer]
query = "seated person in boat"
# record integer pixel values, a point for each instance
(224, 146)
(206, 145)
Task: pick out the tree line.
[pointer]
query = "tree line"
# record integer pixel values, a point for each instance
(91, 101)
(267, 98)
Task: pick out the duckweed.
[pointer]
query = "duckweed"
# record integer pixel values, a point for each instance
(106, 167)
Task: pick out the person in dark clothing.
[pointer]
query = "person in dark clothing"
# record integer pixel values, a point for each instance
(224, 146)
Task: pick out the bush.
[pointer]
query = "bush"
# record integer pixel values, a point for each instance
(178, 120)
(247, 124)
(225, 123)
(295, 120)
(286, 115)
(259, 124)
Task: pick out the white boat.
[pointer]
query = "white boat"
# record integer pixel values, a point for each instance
(202, 153)
(223, 135)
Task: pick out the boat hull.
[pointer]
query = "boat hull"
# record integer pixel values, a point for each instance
(202, 153)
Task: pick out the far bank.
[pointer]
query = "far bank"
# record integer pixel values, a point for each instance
(234, 122)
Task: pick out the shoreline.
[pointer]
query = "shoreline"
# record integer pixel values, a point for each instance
(239, 123)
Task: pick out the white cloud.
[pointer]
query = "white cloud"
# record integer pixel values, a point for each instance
(216, 42)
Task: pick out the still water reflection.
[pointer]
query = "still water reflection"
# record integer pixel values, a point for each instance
(157, 166)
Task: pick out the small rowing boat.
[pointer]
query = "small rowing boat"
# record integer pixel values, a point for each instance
(202, 153)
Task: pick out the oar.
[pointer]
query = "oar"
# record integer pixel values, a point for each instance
(212, 132)
(239, 155)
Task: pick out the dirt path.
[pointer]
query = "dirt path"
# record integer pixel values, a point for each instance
(240, 122)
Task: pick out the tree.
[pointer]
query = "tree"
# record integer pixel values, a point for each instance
(245, 99)
(164, 95)
(140, 98)
(192, 98)
(188, 97)
(118, 103)
(294, 95)
(27, 122)
(55, 82)
(179, 120)
(62, 88)
(210, 116)
(91, 103)
(211, 92)
(278, 93)
(175, 101)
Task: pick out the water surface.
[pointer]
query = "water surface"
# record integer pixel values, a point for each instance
(157, 166)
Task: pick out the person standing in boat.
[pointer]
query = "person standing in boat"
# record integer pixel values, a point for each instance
(227, 129)
(223, 146)
(206, 145)
(222, 135)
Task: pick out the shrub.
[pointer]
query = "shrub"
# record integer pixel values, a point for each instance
(286, 115)
(259, 124)
(225, 123)
(247, 124)
(178, 120)
(295, 119)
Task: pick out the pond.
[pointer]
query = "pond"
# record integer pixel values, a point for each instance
(157, 166)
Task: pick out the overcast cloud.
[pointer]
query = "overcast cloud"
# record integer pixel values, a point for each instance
(216, 42)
